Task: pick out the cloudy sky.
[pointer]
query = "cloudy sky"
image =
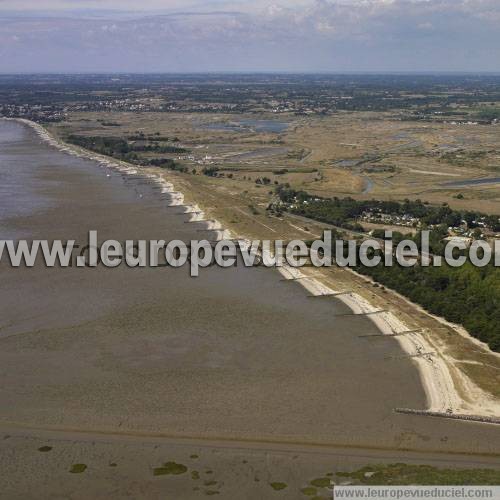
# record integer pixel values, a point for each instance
(257, 35)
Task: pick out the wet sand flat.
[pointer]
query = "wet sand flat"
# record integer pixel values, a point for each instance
(123, 466)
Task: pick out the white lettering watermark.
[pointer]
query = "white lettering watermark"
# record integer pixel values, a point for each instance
(199, 254)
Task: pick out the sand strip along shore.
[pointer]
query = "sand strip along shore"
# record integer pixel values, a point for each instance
(433, 365)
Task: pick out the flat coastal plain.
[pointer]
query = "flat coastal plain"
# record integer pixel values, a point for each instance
(124, 370)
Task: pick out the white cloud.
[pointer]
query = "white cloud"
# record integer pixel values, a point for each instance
(335, 35)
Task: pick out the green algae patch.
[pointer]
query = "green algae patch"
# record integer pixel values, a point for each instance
(78, 468)
(44, 449)
(170, 468)
(278, 486)
(321, 482)
(403, 474)
(309, 491)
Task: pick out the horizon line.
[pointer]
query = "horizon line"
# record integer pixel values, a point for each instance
(257, 72)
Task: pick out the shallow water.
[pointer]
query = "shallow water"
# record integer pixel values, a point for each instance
(18, 184)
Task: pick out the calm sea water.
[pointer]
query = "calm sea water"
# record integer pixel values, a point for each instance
(18, 168)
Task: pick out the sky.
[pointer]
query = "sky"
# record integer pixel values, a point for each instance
(249, 36)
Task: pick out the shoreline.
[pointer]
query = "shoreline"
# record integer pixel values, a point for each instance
(292, 446)
(434, 369)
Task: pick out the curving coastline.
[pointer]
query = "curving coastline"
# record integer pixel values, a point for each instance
(434, 369)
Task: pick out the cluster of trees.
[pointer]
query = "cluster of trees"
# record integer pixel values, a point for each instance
(331, 211)
(466, 295)
(157, 148)
(489, 114)
(120, 148)
(166, 163)
(214, 172)
(109, 146)
(210, 171)
(343, 211)
(263, 180)
(437, 243)
(141, 136)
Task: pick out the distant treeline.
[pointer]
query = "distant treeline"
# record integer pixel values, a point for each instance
(424, 95)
